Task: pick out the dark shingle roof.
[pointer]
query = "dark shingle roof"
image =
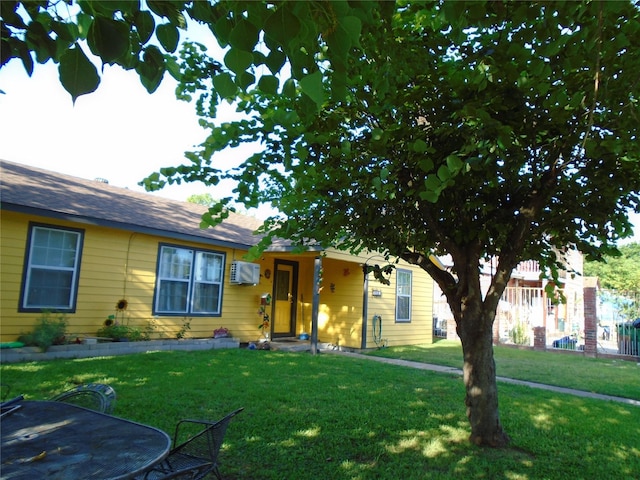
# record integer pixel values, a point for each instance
(41, 192)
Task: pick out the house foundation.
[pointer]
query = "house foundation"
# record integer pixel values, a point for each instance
(32, 354)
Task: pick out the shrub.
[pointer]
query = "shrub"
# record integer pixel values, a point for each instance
(115, 331)
(48, 331)
(518, 334)
(186, 325)
(118, 331)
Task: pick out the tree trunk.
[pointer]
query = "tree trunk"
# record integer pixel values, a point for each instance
(474, 324)
(479, 372)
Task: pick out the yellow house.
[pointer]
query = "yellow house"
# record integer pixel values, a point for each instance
(79, 247)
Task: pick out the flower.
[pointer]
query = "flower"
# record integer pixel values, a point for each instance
(122, 305)
(109, 321)
(221, 332)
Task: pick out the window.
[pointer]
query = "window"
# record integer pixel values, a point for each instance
(403, 296)
(52, 268)
(189, 282)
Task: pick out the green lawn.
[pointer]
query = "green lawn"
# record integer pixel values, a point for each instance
(335, 417)
(565, 369)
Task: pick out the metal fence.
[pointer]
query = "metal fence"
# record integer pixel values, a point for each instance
(520, 309)
(619, 322)
(523, 308)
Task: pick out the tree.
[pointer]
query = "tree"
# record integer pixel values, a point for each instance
(205, 199)
(144, 37)
(481, 129)
(618, 272)
(619, 279)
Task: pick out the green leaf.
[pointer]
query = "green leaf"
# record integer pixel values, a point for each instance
(353, 27)
(275, 60)
(269, 84)
(429, 196)
(289, 88)
(84, 24)
(433, 183)
(443, 173)
(151, 69)
(339, 43)
(144, 23)
(38, 39)
(243, 36)
(454, 164)
(282, 25)
(78, 75)
(173, 68)
(377, 134)
(106, 8)
(225, 86)
(238, 60)
(420, 146)
(10, 17)
(426, 164)
(65, 32)
(222, 30)
(202, 11)
(168, 36)
(312, 87)
(24, 54)
(244, 80)
(170, 10)
(109, 39)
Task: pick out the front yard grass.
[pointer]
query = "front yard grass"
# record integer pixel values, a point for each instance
(619, 378)
(335, 417)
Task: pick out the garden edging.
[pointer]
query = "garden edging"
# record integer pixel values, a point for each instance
(106, 349)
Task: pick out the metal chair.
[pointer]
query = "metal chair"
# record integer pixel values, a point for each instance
(197, 456)
(94, 396)
(107, 391)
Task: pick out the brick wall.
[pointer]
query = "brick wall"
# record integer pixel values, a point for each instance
(539, 338)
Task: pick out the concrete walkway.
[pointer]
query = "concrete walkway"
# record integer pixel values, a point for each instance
(457, 371)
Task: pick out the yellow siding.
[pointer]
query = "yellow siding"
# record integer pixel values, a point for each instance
(118, 264)
(340, 315)
(420, 329)
(13, 236)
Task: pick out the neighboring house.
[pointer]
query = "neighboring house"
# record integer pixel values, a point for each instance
(525, 301)
(79, 246)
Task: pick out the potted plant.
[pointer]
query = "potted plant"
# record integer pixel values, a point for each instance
(221, 332)
(264, 326)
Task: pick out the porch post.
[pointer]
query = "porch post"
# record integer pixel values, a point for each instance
(315, 304)
(365, 308)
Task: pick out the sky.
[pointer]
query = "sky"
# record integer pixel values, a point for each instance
(120, 132)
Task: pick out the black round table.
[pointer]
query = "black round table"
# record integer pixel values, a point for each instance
(56, 440)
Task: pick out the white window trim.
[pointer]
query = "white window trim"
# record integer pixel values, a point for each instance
(402, 295)
(190, 281)
(30, 266)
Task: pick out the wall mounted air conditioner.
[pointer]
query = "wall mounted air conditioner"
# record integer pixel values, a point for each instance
(244, 273)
